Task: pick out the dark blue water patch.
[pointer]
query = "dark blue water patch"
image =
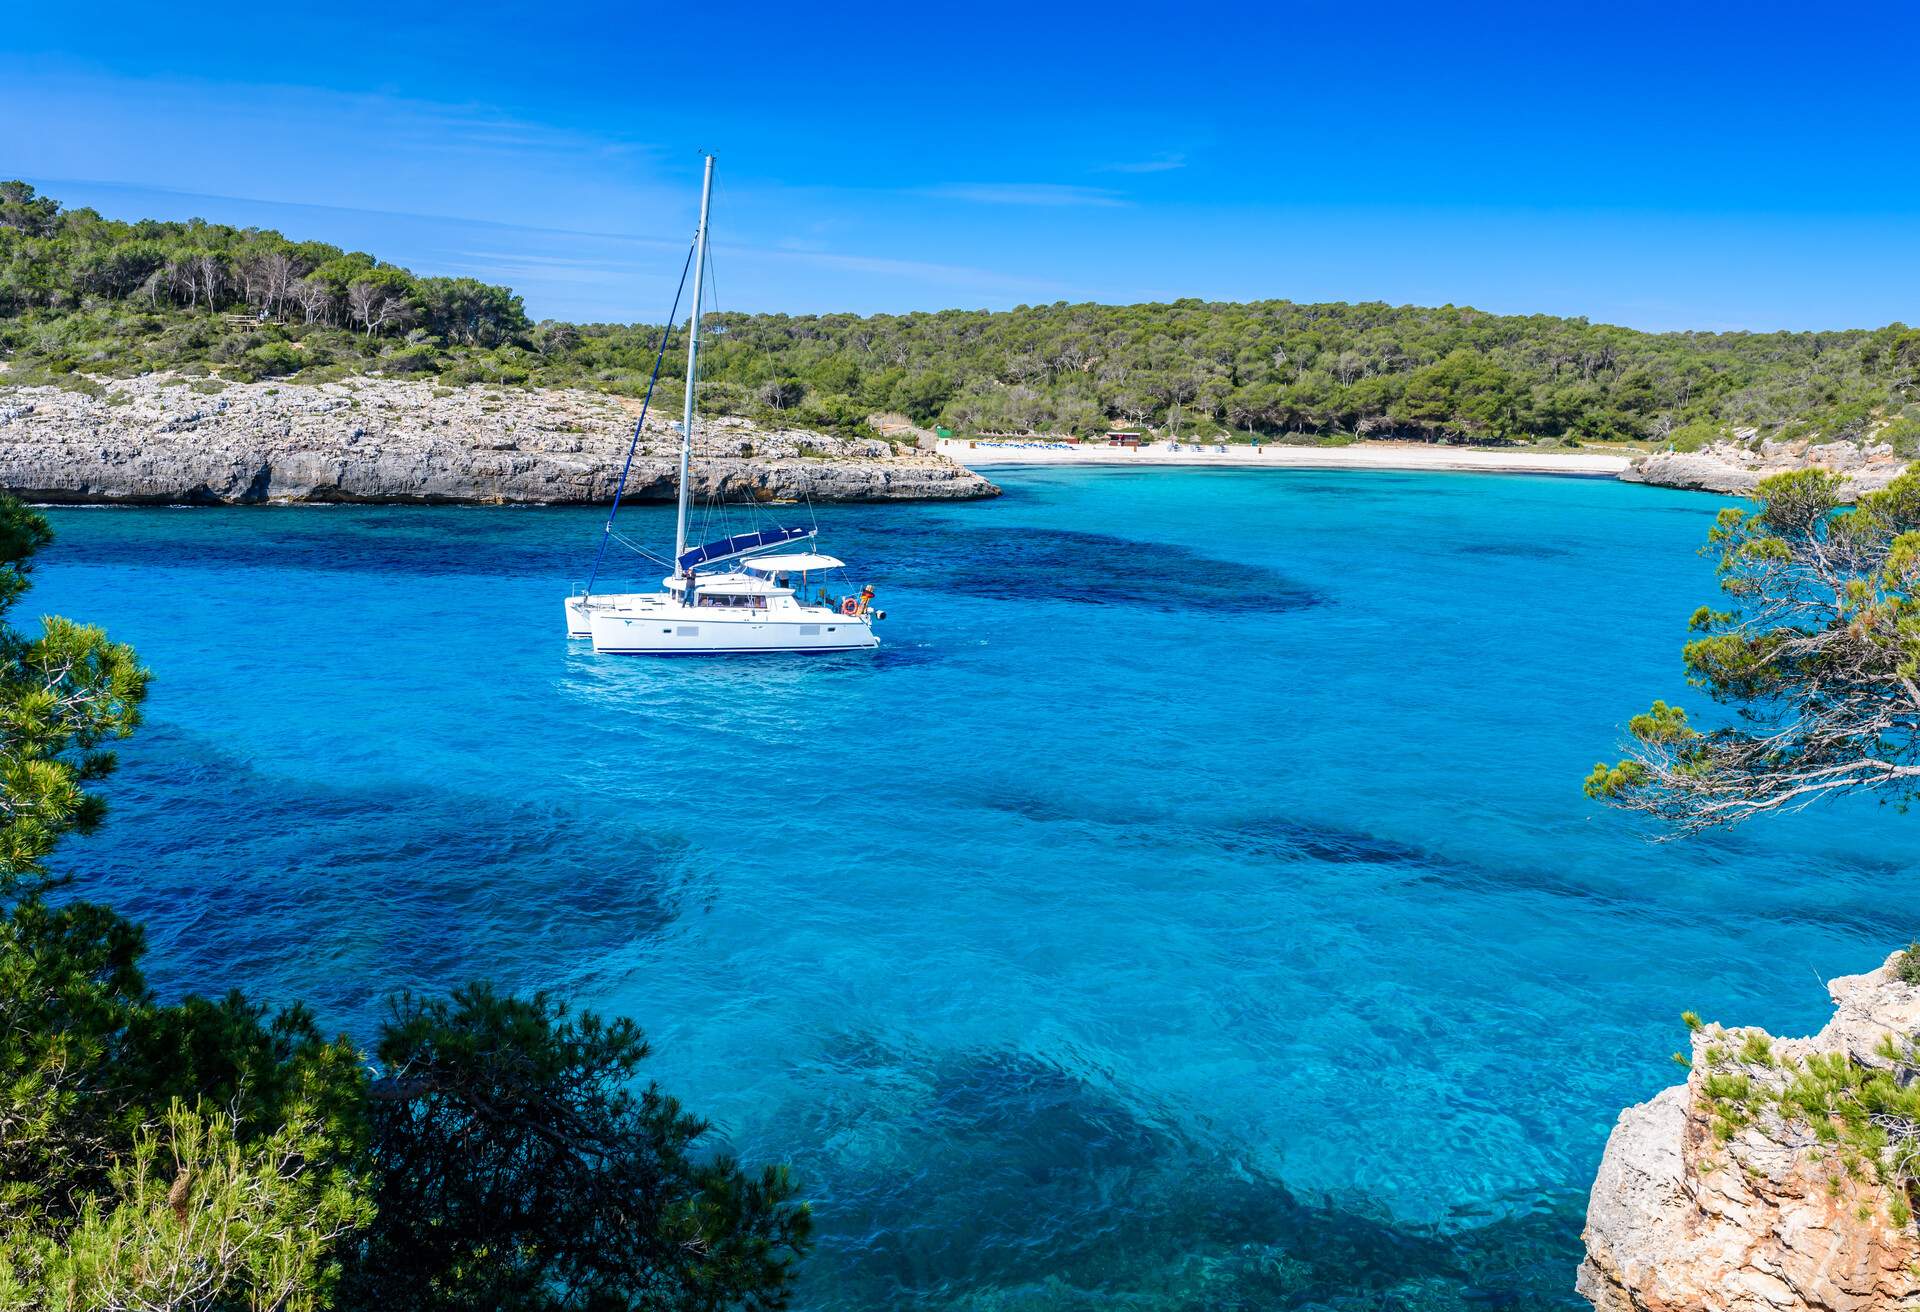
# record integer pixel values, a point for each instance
(1890, 925)
(1283, 839)
(425, 541)
(1272, 837)
(1028, 564)
(1040, 808)
(338, 896)
(1061, 1124)
(1286, 837)
(1119, 1208)
(1275, 837)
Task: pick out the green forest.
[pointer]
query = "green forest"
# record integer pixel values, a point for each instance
(84, 295)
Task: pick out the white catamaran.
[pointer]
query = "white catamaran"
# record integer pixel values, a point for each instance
(758, 604)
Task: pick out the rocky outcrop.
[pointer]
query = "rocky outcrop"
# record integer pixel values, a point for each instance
(164, 439)
(1736, 468)
(1719, 1195)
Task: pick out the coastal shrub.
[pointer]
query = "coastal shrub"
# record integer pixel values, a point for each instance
(1864, 1120)
(1868, 1113)
(486, 367)
(486, 1096)
(1903, 435)
(232, 348)
(416, 360)
(273, 359)
(329, 372)
(1696, 435)
(234, 1222)
(1906, 964)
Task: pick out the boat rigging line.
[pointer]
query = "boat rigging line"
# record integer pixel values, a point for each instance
(659, 357)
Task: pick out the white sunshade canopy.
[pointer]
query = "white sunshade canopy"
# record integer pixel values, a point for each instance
(804, 562)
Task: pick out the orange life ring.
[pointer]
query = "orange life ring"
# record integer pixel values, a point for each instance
(850, 606)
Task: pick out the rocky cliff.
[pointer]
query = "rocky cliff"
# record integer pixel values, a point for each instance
(1771, 1179)
(1737, 468)
(168, 439)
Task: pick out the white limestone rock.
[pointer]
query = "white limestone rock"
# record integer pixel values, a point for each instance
(166, 439)
(1736, 469)
(1765, 1221)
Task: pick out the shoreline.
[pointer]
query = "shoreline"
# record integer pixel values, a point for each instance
(1398, 457)
(164, 439)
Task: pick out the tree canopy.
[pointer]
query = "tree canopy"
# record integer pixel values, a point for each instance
(1817, 655)
(79, 292)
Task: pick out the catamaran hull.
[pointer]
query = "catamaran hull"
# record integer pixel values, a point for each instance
(645, 635)
(578, 610)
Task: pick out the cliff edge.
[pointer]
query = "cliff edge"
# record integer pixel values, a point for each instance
(163, 439)
(1780, 1176)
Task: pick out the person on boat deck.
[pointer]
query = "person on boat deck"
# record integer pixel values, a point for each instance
(866, 598)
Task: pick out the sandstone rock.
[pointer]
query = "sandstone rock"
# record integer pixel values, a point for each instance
(165, 439)
(1767, 1219)
(1735, 468)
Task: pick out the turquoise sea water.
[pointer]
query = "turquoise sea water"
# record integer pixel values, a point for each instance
(1193, 904)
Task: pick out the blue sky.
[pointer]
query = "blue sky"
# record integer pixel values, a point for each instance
(1664, 166)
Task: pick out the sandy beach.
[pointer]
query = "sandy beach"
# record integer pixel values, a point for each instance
(1370, 455)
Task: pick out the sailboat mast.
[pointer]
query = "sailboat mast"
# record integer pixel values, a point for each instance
(693, 363)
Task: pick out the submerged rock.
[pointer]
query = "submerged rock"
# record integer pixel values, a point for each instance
(1731, 467)
(1717, 1196)
(165, 439)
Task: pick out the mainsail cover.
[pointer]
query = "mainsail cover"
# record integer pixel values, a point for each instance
(740, 544)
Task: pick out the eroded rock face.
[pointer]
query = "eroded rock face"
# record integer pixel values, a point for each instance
(1731, 467)
(161, 439)
(1712, 1204)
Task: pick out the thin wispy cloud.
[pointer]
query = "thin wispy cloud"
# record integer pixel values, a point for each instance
(1049, 194)
(472, 127)
(596, 262)
(1158, 164)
